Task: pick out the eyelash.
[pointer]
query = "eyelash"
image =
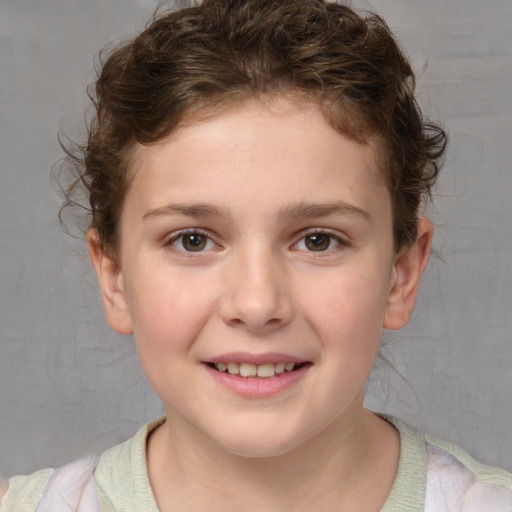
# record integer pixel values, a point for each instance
(173, 240)
(333, 237)
(176, 237)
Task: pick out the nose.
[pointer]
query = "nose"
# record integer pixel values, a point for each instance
(257, 293)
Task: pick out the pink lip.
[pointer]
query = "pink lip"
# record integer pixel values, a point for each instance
(249, 387)
(243, 357)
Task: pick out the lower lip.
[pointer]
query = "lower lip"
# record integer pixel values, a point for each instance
(259, 387)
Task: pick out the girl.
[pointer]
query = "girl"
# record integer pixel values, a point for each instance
(255, 171)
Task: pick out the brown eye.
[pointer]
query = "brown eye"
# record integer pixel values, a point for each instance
(318, 242)
(193, 242)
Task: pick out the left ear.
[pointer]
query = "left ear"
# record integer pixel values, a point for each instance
(408, 268)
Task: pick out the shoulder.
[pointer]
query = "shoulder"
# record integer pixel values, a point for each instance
(456, 481)
(446, 477)
(122, 477)
(23, 493)
(117, 480)
(70, 488)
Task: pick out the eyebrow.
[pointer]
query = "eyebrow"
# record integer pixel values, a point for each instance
(311, 210)
(299, 210)
(187, 210)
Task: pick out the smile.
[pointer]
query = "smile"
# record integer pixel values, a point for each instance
(255, 376)
(264, 371)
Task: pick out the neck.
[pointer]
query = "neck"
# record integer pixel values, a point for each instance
(349, 467)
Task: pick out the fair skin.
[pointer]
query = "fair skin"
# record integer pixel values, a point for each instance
(256, 238)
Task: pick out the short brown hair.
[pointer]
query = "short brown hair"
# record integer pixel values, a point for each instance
(220, 52)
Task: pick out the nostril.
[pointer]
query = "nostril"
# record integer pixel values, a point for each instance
(258, 307)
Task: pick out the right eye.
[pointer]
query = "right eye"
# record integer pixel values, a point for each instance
(192, 241)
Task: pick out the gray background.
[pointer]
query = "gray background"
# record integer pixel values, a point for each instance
(68, 385)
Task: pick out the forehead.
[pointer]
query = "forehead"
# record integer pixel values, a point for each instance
(282, 148)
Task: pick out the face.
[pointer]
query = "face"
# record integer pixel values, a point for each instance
(256, 269)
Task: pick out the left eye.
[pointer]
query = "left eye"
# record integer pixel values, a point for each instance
(192, 242)
(318, 242)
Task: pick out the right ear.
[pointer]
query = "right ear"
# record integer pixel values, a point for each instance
(111, 281)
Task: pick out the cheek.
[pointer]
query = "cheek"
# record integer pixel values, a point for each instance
(168, 317)
(347, 311)
(167, 312)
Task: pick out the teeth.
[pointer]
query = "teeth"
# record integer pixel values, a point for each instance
(266, 370)
(280, 367)
(233, 368)
(248, 370)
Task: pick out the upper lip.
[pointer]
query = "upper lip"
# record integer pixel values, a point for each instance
(244, 357)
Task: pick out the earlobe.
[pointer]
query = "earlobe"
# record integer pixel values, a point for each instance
(408, 269)
(110, 277)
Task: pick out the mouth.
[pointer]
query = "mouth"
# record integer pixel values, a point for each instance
(259, 371)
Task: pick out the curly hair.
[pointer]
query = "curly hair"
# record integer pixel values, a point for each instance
(201, 58)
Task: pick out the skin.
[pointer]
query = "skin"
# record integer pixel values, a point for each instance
(260, 182)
